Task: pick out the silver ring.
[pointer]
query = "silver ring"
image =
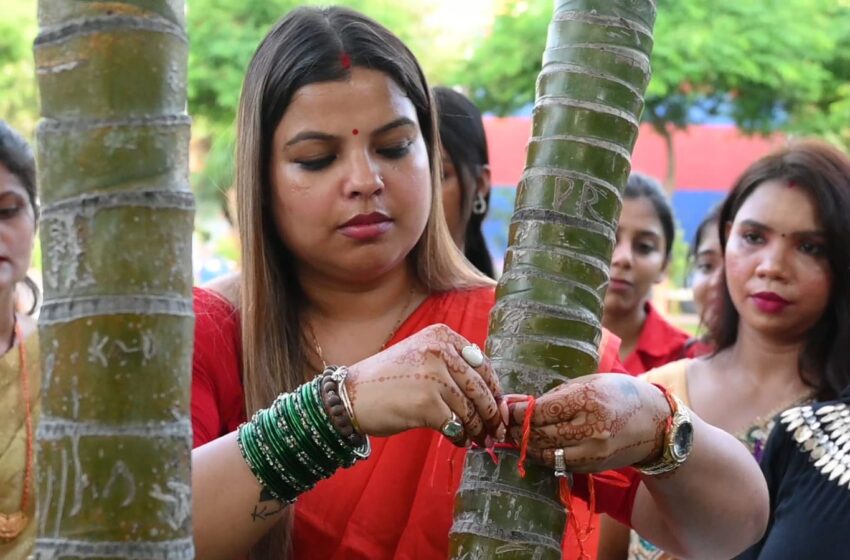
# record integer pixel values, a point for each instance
(473, 355)
(560, 463)
(452, 428)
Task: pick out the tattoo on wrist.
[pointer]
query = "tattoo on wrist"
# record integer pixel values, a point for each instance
(264, 510)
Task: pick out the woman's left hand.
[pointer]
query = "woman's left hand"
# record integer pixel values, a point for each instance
(602, 421)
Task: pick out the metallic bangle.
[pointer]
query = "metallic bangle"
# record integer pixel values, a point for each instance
(339, 375)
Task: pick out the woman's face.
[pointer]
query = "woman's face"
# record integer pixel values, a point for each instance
(639, 260)
(776, 267)
(708, 270)
(351, 177)
(17, 230)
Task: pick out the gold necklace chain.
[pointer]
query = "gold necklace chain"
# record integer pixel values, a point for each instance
(402, 316)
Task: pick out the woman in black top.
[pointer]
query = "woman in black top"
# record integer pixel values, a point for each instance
(807, 466)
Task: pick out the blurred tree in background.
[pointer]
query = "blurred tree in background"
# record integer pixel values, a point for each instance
(767, 65)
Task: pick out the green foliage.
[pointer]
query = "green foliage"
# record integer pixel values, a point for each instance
(502, 71)
(18, 96)
(770, 64)
(224, 35)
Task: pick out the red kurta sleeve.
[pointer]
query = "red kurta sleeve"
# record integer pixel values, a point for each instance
(217, 398)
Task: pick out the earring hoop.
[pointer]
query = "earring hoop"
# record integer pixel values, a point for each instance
(479, 205)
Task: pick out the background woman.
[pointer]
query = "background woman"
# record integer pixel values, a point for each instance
(784, 303)
(20, 379)
(645, 235)
(466, 174)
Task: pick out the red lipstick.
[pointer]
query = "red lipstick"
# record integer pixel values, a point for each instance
(366, 227)
(769, 302)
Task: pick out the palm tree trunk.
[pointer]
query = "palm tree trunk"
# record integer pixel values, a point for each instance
(545, 328)
(116, 327)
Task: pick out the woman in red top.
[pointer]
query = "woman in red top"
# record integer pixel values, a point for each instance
(345, 251)
(644, 243)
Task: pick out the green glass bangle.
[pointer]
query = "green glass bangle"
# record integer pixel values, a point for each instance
(306, 432)
(324, 426)
(315, 469)
(293, 443)
(328, 459)
(291, 451)
(265, 476)
(290, 448)
(277, 477)
(240, 442)
(297, 479)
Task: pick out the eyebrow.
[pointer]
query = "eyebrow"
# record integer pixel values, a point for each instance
(805, 233)
(315, 135)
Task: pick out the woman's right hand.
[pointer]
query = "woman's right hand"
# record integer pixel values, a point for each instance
(421, 382)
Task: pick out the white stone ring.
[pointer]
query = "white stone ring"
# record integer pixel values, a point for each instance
(473, 355)
(452, 428)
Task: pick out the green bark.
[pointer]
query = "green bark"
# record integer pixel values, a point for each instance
(116, 327)
(545, 328)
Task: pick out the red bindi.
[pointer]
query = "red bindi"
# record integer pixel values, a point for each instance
(791, 184)
(345, 60)
(355, 132)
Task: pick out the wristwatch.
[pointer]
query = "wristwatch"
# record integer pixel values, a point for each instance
(678, 439)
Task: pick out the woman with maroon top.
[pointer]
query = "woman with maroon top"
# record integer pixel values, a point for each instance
(644, 242)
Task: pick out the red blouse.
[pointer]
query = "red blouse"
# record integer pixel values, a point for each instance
(659, 343)
(399, 502)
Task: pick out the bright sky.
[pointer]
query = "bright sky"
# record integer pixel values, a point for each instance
(463, 16)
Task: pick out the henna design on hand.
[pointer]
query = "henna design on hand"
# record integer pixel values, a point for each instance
(580, 410)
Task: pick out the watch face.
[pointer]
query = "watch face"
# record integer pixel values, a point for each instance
(683, 441)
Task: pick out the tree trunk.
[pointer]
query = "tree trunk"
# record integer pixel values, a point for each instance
(545, 328)
(116, 326)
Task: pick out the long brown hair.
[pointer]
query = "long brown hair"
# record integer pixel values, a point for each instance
(307, 46)
(824, 173)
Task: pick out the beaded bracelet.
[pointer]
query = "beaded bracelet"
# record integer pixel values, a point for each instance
(301, 439)
(338, 406)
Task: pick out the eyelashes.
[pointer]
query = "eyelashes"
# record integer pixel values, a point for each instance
(395, 152)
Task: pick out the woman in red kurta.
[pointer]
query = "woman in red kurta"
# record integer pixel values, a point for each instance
(345, 250)
(396, 504)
